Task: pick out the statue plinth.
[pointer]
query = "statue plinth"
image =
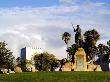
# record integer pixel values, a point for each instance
(80, 63)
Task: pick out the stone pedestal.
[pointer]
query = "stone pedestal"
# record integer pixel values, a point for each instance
(80, 60)
(80, 63)
(17, 69)
(66, 67)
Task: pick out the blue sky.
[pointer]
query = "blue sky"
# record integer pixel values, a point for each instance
(41, 23)
(24, 3)
(39, 3)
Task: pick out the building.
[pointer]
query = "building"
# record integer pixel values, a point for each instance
(28, 52)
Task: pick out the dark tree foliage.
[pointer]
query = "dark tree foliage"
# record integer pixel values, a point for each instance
(90, 37)
(45, 61)
(66, 37)
(106, 57)
(102, 53)
(21, 63)
(63, 61)
(102, 49)
(6, 57)
(71, 51)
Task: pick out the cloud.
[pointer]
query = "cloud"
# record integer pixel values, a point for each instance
(105, 12)
(53, 10)
(69, 2)
(43, 26)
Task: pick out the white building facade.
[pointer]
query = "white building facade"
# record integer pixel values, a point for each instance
(28, 52)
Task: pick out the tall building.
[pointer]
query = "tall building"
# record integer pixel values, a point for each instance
(28, 52)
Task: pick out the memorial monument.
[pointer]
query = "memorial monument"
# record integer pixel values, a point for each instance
(79, 63)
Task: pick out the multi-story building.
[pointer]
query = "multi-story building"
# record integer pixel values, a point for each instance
(28, 52)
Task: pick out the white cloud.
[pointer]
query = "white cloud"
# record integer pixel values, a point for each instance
(69, 2)
(44, 26)
(53, 10)
(104, 12)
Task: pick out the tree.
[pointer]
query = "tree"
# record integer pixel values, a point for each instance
(21, 63)
(102, 52)
(6, 57)
(108, 52)
(18, 61)
(45, 61)
(66, 37)
(71, 51)
(102, 49)
(90, 37)
(108, 43)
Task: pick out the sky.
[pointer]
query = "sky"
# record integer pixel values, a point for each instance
(41, 23)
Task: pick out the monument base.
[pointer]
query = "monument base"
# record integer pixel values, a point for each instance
(80, 63)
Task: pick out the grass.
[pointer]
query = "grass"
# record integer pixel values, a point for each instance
(57, 77)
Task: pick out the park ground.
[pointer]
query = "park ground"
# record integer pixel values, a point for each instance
(56, 77)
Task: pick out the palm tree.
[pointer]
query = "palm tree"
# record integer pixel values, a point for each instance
(71, 51)
(108, 43)
(66, 37)
(91, 37)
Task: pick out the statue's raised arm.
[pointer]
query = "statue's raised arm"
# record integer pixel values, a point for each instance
(73, 28)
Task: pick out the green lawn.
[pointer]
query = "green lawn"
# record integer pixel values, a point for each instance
(57, 77)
